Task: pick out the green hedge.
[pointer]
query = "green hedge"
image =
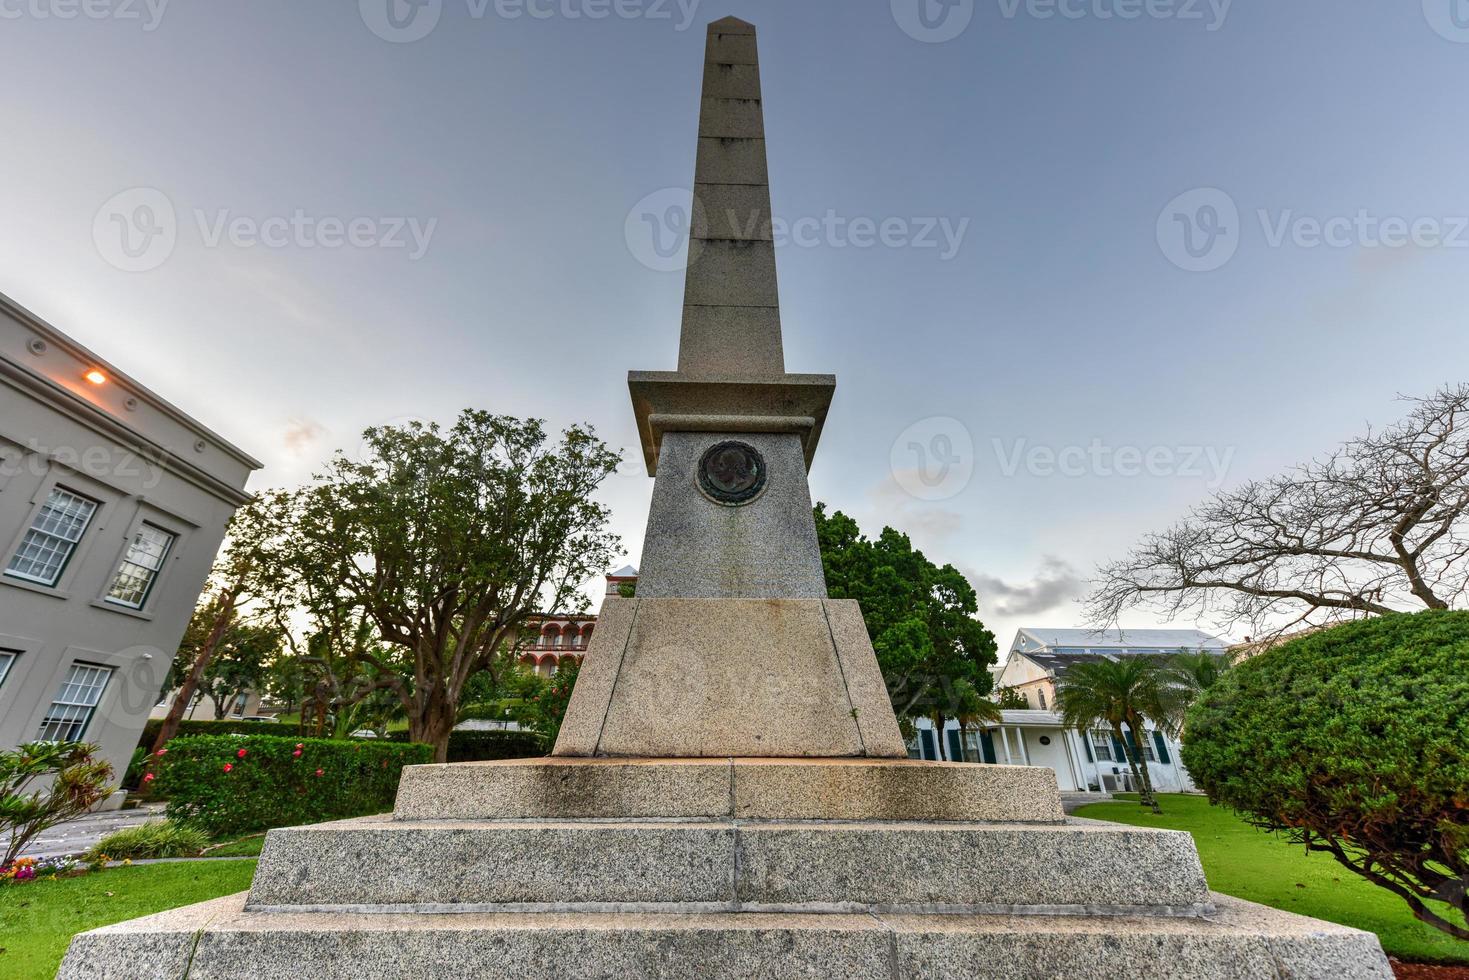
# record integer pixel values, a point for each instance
(151, 729)
(488, 746)
(210, 784)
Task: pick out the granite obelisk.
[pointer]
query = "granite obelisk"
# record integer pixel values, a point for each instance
(731, 647)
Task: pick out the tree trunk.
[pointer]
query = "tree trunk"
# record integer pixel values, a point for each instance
(1130, 758)
(180, 704)
(432, 725)
(1149, 797)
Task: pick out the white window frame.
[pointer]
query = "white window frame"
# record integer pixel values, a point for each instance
(7, 661)
(70, 707)
(171, 539)
(71, 543)
(1102, 743)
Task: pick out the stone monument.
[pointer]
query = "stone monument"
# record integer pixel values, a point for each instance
(730, 796)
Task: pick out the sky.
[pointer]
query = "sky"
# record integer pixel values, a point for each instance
(1075, 263)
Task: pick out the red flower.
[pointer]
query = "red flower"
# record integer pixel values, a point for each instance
(318, 772)
(296, 754)
(300, 745)
(228, 766)
(240, 754)
(148, 778)
(161, 752)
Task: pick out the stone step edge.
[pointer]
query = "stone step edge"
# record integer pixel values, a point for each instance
(1200, 910)
(221, 939)
(735, 787)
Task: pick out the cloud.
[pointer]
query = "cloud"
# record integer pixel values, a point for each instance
(926, 522)
(301, 435)
(1056, 582)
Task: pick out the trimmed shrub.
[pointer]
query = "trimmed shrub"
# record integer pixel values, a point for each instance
(1354, 741)
(154, 839)
(199, 727)
(488, 746)
(234, 784)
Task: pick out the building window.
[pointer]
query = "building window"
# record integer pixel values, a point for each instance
(52, 538)
(1041, 697)
(7, 657)
(67, 718)
(1147, 749)
(1102, 746)
(140, 567)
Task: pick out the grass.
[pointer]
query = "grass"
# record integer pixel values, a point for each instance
(244, 847)
(1248, 863)
(38, 919)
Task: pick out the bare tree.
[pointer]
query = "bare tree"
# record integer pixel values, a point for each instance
(1377, 526)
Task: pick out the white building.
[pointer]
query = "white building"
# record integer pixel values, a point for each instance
(112, 506)
(1082, 761)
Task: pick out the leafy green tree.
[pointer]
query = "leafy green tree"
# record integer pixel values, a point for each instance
(73, 782)
(1113, 694)
(933, 650)
(241, 663)
(447, 541)
(248, 566)
(1009, 697)
(1183, 678)
(1354, 741)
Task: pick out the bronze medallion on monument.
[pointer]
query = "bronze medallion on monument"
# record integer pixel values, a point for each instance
(732, 473)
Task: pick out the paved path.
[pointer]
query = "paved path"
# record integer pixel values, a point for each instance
(75, 836)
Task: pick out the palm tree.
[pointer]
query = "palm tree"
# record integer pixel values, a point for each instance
(972, 711)
(1182, 678)
(1113, 693)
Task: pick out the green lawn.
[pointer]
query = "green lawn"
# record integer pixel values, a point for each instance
(1248, 863)
(37, 920)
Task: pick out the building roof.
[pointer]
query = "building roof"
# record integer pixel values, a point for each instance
(1114, 639)
(626, 571)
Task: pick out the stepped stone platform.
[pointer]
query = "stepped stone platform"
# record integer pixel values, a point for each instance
(608, 868)
(222, 940)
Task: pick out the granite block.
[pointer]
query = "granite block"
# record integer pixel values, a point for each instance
(728, 273)
(582, 724)
(725, 340)
(731, 161)
(866, 690)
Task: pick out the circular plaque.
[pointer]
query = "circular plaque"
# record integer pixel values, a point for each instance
(732, 473)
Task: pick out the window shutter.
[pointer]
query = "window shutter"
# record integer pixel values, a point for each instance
(1086, 743)
(1118, 750)
(930, 747)
(1162, 748)
(955, 752)
(987, 747)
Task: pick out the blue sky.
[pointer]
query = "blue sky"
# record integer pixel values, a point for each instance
(1083, 350)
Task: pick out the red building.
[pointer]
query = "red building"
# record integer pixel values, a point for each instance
(565, 638)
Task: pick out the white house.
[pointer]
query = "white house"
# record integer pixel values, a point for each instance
(1083, 761)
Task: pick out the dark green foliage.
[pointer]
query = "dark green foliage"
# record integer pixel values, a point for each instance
(201, 727)
(489, 746)
(271, 786)
(933, 650)
(1355, 741)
